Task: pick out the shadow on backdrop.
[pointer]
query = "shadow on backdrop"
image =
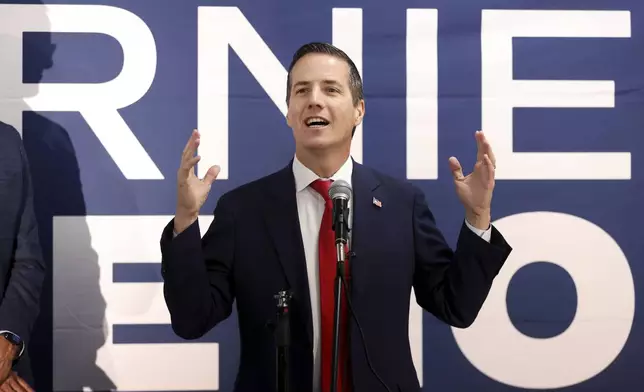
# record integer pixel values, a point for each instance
(71, 325)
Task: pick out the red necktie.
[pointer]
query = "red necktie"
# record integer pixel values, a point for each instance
(327, 269)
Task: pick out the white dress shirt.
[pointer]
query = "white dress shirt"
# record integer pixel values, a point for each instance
(310, 208)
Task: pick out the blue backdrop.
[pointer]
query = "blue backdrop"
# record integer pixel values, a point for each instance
(101, 193)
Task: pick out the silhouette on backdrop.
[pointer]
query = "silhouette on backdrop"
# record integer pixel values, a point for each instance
(63, 350)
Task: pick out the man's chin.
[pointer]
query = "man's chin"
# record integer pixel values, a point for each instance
(318, 144)
(321, 142)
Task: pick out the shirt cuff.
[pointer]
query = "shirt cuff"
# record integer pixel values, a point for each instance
(485, 234)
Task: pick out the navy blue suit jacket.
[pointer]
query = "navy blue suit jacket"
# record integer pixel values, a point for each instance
(22, 269)
(253, 249)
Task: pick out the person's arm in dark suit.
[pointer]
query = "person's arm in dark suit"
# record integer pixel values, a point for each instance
(20, 306)
(453, 285)
(198, 283)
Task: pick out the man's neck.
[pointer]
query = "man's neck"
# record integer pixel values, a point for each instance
(324, 164)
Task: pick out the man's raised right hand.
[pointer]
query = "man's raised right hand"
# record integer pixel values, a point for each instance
(192, 192)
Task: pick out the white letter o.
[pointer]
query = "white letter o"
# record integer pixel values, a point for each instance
(603, 319)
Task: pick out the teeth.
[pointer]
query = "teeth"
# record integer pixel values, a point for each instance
(316, 121)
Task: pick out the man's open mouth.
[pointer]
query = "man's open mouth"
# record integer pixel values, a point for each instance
(316, 122)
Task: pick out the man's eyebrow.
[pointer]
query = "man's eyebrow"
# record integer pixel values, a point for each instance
(307, 83)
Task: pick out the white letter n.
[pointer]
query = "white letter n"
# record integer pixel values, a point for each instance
(223, 26)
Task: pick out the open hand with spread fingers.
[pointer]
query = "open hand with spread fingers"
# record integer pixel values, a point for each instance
(192, 192)
(475, 189)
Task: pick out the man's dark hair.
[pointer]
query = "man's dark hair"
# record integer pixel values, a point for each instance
(355, 82)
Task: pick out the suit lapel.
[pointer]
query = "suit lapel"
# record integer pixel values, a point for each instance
(366, 194)
(282, 221)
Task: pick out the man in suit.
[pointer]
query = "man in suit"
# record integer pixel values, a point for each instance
(274, 234)
(22, 268)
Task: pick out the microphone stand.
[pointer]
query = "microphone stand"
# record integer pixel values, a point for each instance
(283, 340)
(341, 228)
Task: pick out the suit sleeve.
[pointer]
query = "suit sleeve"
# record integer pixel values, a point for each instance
(20, 305)
(453, 285)
(197, 273)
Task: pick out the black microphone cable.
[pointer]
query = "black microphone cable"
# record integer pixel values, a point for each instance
(364, 344)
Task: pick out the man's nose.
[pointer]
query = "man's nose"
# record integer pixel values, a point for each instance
(316, 98)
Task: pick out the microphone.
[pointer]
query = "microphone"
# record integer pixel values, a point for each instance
(340, 194)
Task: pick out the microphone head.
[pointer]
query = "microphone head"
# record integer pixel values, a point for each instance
(340, 189)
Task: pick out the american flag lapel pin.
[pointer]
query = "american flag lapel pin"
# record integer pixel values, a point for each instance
(377, 202)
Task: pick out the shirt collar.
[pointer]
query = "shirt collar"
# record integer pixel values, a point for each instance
(304, 176)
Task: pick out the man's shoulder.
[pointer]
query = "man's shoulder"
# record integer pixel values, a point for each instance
(9, 136)
(393, 184)
(282, 180)
(257, 190)
(11, 149)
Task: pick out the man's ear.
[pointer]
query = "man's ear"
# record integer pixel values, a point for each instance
(359, 113)
(288, 118)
